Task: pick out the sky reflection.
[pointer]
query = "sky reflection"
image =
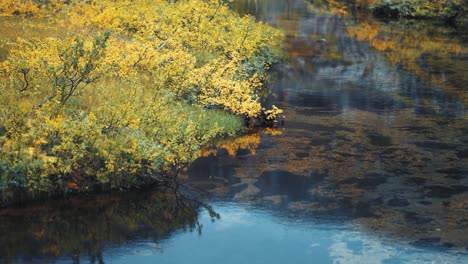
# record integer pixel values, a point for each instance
(250, 235)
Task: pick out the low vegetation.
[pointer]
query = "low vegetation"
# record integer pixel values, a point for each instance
(451, 11)
(115, 94)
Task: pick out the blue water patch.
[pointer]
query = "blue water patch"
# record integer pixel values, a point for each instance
(248, 235)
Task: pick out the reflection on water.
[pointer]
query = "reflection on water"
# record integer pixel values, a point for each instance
(370, 166)
(419, 48)
(278, 240)
(376, 128)
(88, 227)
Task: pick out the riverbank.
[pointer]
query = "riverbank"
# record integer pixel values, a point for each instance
(451, 12)
(102, 95)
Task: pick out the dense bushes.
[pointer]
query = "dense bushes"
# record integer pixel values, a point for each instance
(420, 8)
(125, 91)
(453, 12)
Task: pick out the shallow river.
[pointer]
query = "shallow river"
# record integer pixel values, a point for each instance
(370, 165)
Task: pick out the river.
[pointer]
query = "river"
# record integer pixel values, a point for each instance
(369, 166)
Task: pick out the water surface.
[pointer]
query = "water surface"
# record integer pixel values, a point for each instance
(370, 166)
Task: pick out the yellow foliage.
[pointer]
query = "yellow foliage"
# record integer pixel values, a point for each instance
(249, 142)
(29, 8)
(383, 45)
(169, 52)
(272, 113)
(365, 31)
(273, 131)
(83, 107)
(405, 46)
(19, 7)
(367, 3)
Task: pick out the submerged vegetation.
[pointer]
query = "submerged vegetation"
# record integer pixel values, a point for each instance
(115, 94)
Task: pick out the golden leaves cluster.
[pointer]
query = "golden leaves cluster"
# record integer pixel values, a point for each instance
(195, 48)
(171, 77)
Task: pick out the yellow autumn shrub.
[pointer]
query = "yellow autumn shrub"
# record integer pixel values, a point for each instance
(30, 8)
(126, 91)
(172, 53)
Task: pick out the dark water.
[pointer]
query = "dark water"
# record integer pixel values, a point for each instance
(371, 165)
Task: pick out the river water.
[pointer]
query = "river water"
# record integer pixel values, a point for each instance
(370, 165)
